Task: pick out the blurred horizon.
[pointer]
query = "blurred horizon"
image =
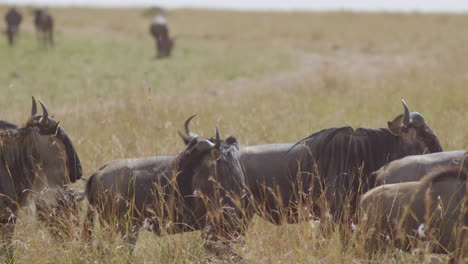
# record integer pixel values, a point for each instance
(451, 6)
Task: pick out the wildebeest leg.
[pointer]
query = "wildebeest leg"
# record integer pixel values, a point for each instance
(129, 237)
(159, 47)
(7, 230)
(51, 37)
(88, 225)
(223, 232)
(461, 254)
(39, 37)
(10, 36)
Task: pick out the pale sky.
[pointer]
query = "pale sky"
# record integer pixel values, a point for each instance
(366, 5)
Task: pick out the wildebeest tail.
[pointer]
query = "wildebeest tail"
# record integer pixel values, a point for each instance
(88, 224)
(88, 189)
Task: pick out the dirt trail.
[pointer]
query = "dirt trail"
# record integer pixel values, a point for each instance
(315, 69)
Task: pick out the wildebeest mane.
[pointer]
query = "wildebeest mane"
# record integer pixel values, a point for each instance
(7, 125)
(18, 157)
(73, 161)
(344, 158)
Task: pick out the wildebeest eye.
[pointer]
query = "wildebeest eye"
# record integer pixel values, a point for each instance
(215, 153)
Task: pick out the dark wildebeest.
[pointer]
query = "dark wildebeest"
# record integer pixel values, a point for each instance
(413, 168)
(38, 154)
(159, 29)
(55, 204)
(433, 209)
(329, 169)
(200, 188)
(44, 24)
(13, 20)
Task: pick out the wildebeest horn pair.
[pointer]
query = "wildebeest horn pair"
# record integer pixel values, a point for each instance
(191, 135)
(45, 114)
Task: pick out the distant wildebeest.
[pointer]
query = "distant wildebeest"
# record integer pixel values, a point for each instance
(328, 170)
(34, 156)
(44, 24)
(432, 209)
(200, 188)
(159, 29)
(13, 20)
(413, 168)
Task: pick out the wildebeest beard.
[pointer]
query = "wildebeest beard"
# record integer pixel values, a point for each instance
(337, 162)
(73, 161)
(431, 141)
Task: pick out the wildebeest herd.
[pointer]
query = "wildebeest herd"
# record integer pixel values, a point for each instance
(395, 182)
(44, 24)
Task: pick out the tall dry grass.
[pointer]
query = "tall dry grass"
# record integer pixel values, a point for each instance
(262, 77)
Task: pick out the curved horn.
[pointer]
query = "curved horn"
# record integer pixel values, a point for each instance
(45, 114)
(406, 117)
(34, 107)
(187, 129)
(184, 138)
(218, 137)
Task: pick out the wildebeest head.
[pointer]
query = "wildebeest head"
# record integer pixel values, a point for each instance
(416, 134)
(13, 20)
(56, 146)
(217, 179)
(44, 25)
(159, 29)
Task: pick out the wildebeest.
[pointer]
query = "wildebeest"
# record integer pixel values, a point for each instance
(329, 169)
(413, 168)
(38, 154)
(433, 209)
(159, 29)
(13, 20)
(200, 188)
(44, 24)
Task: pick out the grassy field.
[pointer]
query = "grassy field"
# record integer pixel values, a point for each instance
(262, 77)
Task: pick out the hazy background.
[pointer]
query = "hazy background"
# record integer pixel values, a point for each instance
(363, 5)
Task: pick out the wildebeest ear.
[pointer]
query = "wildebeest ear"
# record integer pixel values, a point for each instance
(394, 127)
(232, 141)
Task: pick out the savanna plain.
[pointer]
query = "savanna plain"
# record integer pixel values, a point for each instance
(263, 77)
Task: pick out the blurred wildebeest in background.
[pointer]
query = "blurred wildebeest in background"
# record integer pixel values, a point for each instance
(328, 170)
(13, 20)
(413, 168)
(44, 24)
(201, 188)
(433, 209)
(32, 157)
(159, 29)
